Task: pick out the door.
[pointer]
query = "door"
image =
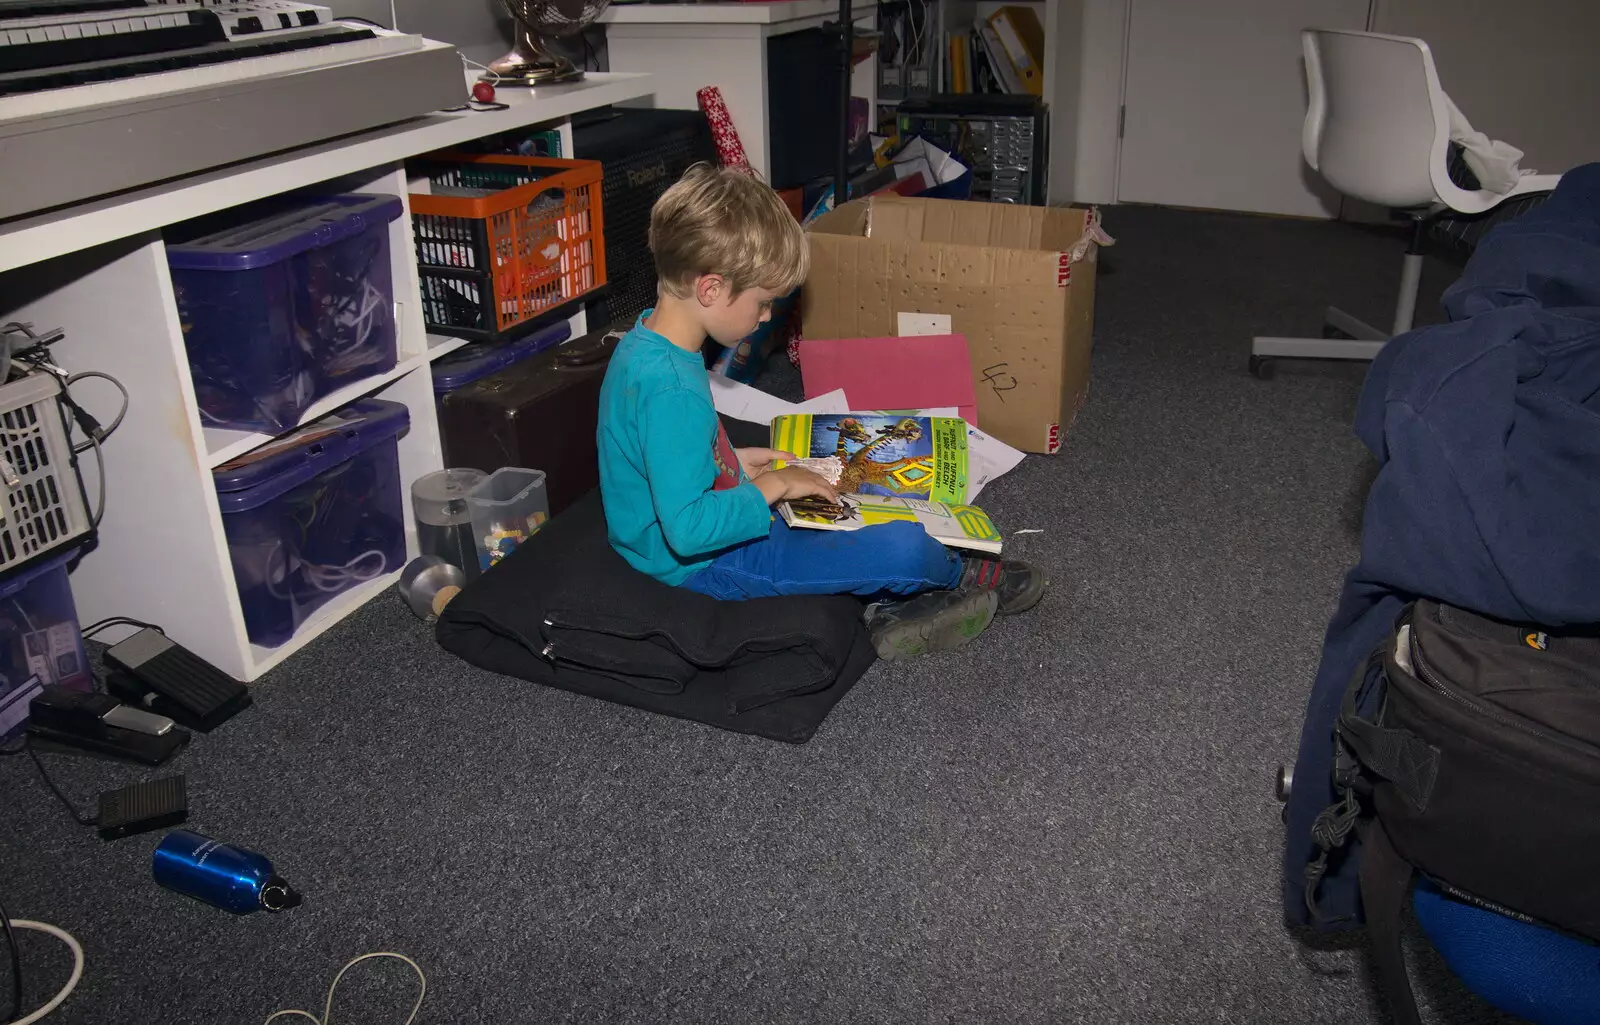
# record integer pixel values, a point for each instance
(1213, 100)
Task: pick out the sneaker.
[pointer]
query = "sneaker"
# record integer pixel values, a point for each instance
(934, 621)
(1018, 584)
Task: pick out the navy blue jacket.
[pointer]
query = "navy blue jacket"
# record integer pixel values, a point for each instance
(1487, 432)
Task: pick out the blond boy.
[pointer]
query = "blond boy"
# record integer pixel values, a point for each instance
(687, 508)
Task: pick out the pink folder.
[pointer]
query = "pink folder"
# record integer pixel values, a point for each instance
(916, 372)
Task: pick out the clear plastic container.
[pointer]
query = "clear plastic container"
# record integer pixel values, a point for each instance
(39, 638)
(314, 514)
(444, 523)
(284, 303)
(507, 508)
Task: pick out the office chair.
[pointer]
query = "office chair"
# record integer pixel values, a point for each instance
(1378, 129)
(1521, 968)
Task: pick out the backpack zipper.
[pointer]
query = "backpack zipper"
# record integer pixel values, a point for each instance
(1439, 687)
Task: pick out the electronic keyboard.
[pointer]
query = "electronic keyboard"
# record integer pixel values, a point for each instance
(98, 96)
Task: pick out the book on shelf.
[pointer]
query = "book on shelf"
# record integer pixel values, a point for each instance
(1021, 39)
(976, 62)
(956, 526)
(1004, 72)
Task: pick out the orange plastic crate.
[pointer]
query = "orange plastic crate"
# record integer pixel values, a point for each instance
(503, 239)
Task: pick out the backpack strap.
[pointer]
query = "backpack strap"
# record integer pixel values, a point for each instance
(1334, 824)
(1385, 888)
(1409, 763)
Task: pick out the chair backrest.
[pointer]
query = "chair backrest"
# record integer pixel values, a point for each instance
(1377, 124)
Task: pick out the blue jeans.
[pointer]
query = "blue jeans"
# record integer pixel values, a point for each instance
(873, 562)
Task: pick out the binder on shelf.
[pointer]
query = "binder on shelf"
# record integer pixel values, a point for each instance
(1022, 39)
(1010, 81)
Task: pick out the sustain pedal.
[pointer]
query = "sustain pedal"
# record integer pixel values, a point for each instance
(100, 723)
(143, 807)
(152, 672)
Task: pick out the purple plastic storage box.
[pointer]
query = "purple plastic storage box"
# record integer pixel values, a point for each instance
(40, 643)
(284, 303)
(313, 514)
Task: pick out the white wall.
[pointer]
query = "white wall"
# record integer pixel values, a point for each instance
(1097, 97)
(1063, 25)
(1526, 72)
(480, 29)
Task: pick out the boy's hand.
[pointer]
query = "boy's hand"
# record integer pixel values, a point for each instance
(794, 482)
(757, 461)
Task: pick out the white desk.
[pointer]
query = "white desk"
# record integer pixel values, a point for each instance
(689, 46)
(99, 270)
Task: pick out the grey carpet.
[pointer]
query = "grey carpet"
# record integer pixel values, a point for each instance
(1071, 820)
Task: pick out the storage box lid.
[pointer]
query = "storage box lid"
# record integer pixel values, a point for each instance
(579, 359)
(480, 359)
(18, 581)
(262, 239)
(259, 476)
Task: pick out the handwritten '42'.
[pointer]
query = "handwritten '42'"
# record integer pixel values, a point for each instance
(999, 379)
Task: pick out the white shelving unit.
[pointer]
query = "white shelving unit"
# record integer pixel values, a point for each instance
(99, 271)
(1065, 63)
(687, 46)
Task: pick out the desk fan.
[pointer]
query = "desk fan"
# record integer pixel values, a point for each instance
(530, 62)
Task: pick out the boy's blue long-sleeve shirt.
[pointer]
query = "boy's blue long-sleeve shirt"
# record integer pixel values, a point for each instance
(674, 493)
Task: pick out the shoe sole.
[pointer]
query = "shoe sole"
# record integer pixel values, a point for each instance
(946, 630)
(1028, 600)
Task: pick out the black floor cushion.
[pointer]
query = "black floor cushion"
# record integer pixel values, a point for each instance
(566, 611)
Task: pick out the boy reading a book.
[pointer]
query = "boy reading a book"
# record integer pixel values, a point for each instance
(687, 508)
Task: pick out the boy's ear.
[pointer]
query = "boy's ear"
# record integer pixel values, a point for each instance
(709, 289)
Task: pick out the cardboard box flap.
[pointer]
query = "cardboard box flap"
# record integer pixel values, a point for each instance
(1075, 231)
(893, 218)
(850, 219)
(949, 221)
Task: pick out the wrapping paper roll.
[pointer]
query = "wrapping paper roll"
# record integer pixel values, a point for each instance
(722, 131)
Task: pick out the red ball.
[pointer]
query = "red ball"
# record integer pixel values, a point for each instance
(483, 92)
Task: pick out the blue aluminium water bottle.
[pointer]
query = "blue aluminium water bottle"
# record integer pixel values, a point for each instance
(232, 878)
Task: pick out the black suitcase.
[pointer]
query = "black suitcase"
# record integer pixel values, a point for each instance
(540, 414)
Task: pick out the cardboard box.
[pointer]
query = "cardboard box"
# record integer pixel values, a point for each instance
(1018, 281)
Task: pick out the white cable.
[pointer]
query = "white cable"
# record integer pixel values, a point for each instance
(72, 379)
(492, 75)
(72, 981)
(337, 578)
(327, 1008)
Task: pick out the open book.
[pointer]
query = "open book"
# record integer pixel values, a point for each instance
(881, 456)
(958, 526)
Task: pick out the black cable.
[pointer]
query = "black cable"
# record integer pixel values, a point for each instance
(83, 820)
(16, 966)
(100, 626)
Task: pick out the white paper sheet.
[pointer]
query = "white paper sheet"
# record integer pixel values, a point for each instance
(828, 402)
(742, 402)
(987, 458)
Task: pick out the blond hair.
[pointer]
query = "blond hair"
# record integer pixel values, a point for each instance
(723, 221)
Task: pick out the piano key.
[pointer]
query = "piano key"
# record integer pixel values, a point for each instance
(31, 8)
(225, 64)
(48, 46)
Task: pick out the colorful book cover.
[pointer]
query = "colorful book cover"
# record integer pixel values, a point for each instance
(958, 526)
(920, 457)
